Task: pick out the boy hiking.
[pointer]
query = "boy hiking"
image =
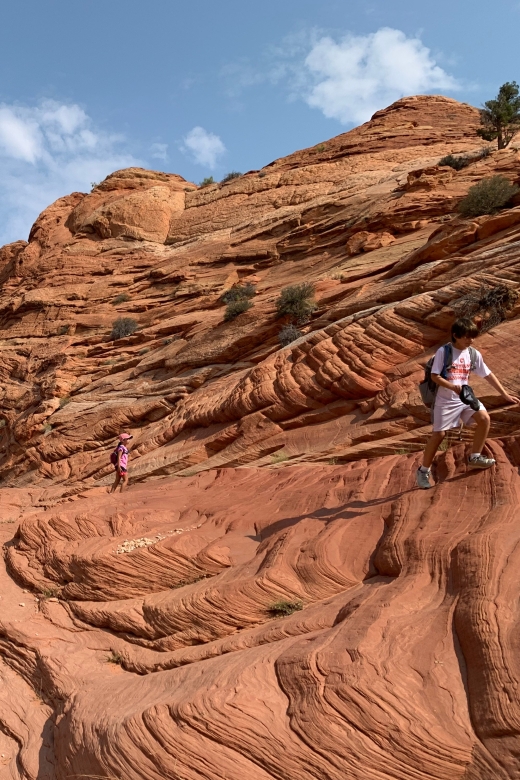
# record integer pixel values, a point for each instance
(120, 460)
(450, 374)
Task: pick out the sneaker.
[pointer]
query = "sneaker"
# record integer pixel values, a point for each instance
(423, 479)
(481, 462)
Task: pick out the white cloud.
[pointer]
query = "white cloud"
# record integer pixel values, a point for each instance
(363, 73)
(159, 151)
(205, 148)
(47, 151)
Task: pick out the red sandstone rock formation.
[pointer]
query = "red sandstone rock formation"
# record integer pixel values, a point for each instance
(259, 474)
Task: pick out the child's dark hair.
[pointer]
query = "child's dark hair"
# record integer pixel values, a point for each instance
(464, 327)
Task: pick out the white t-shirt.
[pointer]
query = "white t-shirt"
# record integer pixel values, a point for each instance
(459, 372)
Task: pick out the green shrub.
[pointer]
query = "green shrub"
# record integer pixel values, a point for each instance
(279, 457)
(63, 331)
(457, 163)
(122, 298)
(288, 334)
(207, 181)
(488, 196)
(500, 118)
(64, 401)
(235, 308)
(230, 176)
(115, 658)
(319, 148)
(123, 326)
(262, 175)
(283, 608)
(238, 292)
(490, 304)
(296, 302)
(143, 351)
(49, 593)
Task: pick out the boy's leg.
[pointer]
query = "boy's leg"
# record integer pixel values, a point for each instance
(482, 422)
(431, 447)
(476, 459)
(423, 472)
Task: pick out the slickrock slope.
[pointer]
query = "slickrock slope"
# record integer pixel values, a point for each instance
(138, 634)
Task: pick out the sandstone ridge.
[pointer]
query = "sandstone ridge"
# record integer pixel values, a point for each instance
(272, 597)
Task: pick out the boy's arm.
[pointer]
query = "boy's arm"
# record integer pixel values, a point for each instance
(439, 380)
(494, 382)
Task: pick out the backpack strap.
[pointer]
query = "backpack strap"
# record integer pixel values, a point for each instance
(448, 359)
(473, 358)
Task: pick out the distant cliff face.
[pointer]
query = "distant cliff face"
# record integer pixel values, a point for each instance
(298, 474)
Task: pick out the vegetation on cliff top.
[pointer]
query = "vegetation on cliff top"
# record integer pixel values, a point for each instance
(500, 117)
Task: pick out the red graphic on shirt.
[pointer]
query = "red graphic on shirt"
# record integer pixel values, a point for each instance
(458, 373)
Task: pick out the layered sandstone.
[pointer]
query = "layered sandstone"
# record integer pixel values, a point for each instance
(259, 474)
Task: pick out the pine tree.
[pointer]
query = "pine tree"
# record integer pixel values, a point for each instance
(500, 118)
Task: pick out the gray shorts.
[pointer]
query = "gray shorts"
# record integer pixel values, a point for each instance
(449, 414)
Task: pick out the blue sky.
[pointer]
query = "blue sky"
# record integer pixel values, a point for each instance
(206, 87)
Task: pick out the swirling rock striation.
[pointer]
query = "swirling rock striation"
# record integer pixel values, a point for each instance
(272, 597)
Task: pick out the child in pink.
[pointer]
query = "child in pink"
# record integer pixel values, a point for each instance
(121, 466)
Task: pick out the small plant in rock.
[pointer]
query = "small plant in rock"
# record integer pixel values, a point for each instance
(319, 148)
(262, 175)
(235, 308)
(64, 330)
(457, 163)
(115, 658)
(490, 305)
(168, 341)
(94, 184)
(288, 334)
(122, 298)
(123, 326)
(283, 607)
(64, 401)
(238, 292)
(207, 181)
(445, 444)
(296, 302)
(230, 176)
(279, 457)
(49, 593)
(3, 423)
(487, 197)
(143, 351)
(47, 428)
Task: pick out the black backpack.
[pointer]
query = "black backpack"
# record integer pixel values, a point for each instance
(428, 388)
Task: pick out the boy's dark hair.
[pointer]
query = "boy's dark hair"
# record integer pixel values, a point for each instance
(464, 327)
